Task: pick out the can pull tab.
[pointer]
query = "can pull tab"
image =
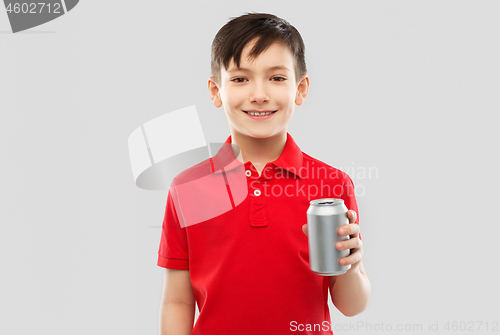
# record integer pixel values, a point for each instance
(326, 203)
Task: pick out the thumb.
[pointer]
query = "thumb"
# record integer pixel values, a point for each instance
(304, 229)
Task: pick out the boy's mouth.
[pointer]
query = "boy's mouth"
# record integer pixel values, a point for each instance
(260, 113)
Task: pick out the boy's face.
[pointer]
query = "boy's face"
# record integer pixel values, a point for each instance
(259, 85)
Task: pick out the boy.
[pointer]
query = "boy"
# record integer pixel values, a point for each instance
(248, 268)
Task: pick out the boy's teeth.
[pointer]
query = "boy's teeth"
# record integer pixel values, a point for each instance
(259, 114)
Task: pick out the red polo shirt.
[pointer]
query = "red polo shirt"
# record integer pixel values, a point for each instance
(249, 264)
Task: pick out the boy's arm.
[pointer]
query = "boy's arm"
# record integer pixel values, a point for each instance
(177, 306)
(350, 292)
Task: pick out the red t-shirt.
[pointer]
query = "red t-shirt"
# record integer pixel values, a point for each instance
(240, 236)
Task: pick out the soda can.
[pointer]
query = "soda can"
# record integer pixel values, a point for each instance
(324, 217)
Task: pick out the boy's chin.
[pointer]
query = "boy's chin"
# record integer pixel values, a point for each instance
(262, 134)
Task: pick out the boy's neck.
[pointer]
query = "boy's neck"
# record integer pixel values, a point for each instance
(259, 151)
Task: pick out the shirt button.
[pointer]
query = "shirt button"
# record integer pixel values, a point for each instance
(256, 192)
(248, 173)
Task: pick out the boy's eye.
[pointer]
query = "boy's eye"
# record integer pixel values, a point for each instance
(279, 78)
(238, 80)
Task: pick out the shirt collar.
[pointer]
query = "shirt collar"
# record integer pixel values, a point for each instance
(291, 158)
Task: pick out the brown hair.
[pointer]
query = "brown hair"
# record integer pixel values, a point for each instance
(267, 28)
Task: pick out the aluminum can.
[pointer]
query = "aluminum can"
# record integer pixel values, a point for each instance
(324, 217)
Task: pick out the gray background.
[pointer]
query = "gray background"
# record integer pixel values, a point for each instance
(406, 88)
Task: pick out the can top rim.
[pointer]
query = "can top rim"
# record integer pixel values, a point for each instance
(326, 202)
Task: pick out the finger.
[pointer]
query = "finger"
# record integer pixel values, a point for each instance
(348, 229)
(353, 243)
(352, 258)
(304, 229)
(351, 214)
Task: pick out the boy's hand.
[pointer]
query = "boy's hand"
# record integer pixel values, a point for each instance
(354, 243)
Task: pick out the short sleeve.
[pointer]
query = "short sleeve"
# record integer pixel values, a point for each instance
(173, 251)
(349, 197)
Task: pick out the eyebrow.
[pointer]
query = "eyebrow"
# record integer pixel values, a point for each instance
(277, 67)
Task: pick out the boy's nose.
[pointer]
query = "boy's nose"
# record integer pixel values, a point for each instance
(259, 94)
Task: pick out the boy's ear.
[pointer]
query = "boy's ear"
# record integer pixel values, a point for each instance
(302, 90)
(213, 91)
